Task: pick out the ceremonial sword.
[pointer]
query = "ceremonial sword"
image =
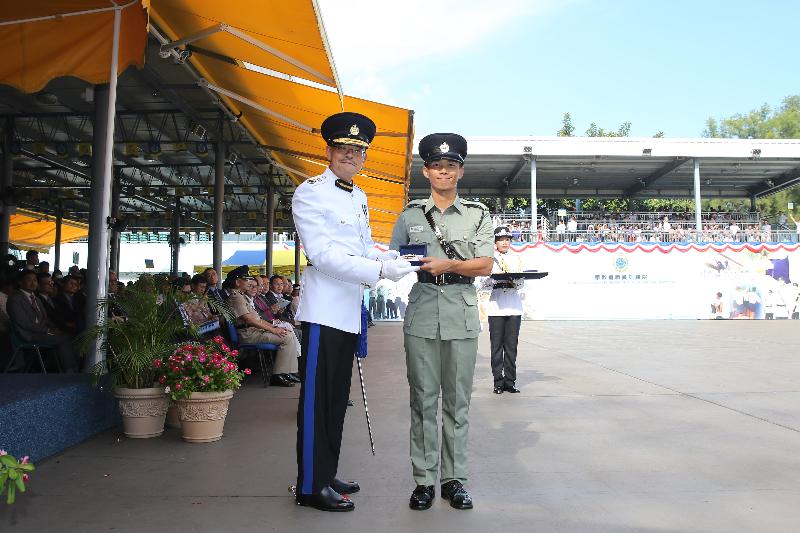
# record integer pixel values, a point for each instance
(366, 408)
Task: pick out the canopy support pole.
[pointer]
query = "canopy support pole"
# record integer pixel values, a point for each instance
(296, 257)
(698, 221)
(8, 177)
(270, 227)
(219, 198)
(753, 207)
(175, 236)
(103, 150)
(534, 208)
(57, 251)
(115, 194)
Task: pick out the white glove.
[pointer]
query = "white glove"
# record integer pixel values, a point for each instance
(388, 255)
(396, 269)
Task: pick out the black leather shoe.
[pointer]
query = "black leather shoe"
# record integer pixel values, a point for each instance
(457, 494)
(345, 487)
(512, 389)
(422, 497)
(349, 402)
(292, 377)
(279, 380)
(499, 390)
(327, 500)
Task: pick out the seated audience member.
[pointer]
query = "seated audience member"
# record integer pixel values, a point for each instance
(253, 329)
(212, 280)
(182, 285)
(46, 292)
(31, 260)
(43, 268)
(199, 285)
(57, 275)
(29, 319)
(70, 306)
(274, 296)
(6, 289)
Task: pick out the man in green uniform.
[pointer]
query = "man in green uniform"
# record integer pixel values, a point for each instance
(441, 324)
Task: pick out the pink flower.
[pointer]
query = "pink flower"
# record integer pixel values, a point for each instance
(25, 478)
(24, 460)
(247, 371)
(188, 357)
(3, 452)
(178, 386)
(162, 379)
(235, 353)
(206, 379)
(157, 363)
(218, 339)
(202, 358)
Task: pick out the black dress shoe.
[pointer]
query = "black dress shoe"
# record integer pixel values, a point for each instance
(457, 494)
(499, 390)
(422, 497)
(279, 380)
(349, 402)
(512, 389)
(327, 500)
(292, 377)
(345, 487)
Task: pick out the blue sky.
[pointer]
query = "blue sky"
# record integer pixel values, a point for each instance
(513, 67)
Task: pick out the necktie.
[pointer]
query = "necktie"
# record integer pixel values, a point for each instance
(36, 310)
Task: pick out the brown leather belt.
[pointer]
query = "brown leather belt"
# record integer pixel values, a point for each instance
(448, 278)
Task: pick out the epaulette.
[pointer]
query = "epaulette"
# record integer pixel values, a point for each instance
(414, 203)
(472, 203)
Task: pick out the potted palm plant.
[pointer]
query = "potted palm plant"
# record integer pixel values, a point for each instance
(140, 326)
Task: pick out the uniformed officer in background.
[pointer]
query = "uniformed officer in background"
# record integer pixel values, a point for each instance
(332, 219)
(505, 313)
(441, 324)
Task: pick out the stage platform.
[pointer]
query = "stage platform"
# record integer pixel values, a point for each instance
(663, 426)
(44, 414)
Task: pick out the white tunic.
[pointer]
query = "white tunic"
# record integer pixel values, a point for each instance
(334, 230)
(505, 302)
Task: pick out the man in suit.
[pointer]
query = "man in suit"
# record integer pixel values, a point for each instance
(70, 305)
(29, 319)
(45, 291)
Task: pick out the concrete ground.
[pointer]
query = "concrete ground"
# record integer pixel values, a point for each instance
(683, 426)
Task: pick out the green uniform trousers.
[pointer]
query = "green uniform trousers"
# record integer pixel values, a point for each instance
(434, 365)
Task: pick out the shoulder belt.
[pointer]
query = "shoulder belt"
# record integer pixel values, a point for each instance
(448, 248)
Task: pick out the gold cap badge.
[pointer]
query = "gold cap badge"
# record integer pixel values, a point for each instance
(354, 130)
(444, 148)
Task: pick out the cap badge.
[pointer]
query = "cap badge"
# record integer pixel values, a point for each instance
(444, 148)
(354, 130)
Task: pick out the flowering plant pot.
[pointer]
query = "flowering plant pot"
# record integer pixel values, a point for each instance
(13, 475)
(209, 366)
(201, 379)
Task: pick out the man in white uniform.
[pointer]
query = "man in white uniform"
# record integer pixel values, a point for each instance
(505, 313)
(332, 218)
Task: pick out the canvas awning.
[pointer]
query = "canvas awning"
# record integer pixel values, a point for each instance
(46, 40)
(273, 65)
(269, 62)
(35, 230)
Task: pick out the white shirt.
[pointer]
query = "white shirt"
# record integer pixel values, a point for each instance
(504, 302)
(572, 225)
(334, 230)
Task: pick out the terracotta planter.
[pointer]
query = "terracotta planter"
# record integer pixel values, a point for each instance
(173, 416)
(203, 415)
(143, 411)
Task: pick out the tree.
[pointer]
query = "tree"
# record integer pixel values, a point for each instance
(764, 123)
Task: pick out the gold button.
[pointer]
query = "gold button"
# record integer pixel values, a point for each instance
(441, 290)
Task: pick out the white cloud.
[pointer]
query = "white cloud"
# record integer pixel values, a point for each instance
(369, 37)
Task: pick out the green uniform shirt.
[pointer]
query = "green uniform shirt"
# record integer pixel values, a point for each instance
(449, 310)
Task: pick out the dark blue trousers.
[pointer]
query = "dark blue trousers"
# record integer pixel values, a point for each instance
(326, 368)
